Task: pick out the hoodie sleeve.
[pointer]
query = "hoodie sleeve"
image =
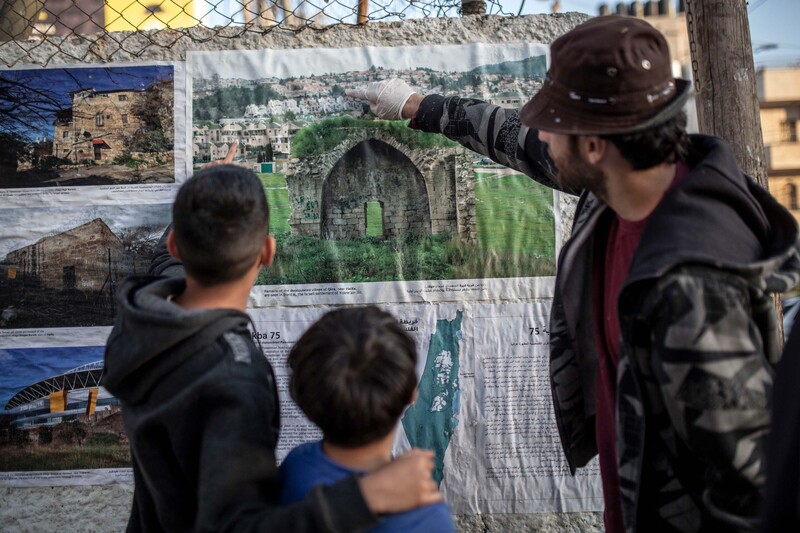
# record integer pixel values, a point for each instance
(709, 362)
(238, 484)
(490, 130)
(162, 263)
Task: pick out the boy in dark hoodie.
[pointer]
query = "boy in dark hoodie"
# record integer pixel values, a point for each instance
(200, 405)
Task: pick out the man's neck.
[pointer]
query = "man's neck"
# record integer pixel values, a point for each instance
(365, 458)
(634, 194)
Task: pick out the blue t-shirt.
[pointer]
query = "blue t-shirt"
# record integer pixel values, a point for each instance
(307, 466)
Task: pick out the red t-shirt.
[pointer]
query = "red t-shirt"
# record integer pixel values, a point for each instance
(623, 239)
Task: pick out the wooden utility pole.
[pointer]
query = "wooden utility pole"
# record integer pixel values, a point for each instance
(725, 79)
(363, 7)
(473, 7)
(725, 83)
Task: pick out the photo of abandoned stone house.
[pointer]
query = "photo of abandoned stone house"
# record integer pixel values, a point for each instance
(99, 125)
(69, 278)
(87, 126)
(73, 259)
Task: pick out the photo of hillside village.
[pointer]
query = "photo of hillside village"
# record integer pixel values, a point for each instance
(86, 126)
(354, 199)
(265, 114)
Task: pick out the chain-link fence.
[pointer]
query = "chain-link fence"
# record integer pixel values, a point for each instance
(25, 20)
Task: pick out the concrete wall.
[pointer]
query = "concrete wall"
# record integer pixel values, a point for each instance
(101, 509)
(105, 508)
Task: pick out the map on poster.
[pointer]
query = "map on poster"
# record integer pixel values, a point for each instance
(429, 423)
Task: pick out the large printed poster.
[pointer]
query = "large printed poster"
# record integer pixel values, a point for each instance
(461, 250)
(88, 169)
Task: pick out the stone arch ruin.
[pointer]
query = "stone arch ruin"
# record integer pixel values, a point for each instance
(373, 171)
(427, 190)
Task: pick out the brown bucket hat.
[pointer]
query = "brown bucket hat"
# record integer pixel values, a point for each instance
(609, 75)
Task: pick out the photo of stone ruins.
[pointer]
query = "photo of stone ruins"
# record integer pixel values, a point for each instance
(371, 166)
(355, 199)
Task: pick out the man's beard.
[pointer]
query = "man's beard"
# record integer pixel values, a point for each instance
(576, 174)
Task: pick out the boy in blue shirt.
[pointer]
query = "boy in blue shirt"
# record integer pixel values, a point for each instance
(353, 374)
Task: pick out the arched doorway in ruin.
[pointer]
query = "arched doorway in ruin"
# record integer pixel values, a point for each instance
(374, 175)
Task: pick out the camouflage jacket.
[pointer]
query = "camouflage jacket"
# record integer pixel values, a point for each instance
(699, 333)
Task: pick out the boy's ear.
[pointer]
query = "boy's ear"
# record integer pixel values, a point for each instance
(172, 248)
(268, 251)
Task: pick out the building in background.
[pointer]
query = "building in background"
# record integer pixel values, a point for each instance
(669, 17)
(86, 17)
(93, 128)
(73, 395)
(102, 126)
(778, 92)
(125, 15)
(65, 17)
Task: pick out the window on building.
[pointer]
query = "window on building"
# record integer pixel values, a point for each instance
(790, 196)
(124, 119)
(123, 97)
(98, 119)
(69, 277)
(65, 135)
(373, 214)
(788, 131)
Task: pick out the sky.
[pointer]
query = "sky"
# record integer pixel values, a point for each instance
(54, 86)
(771, 22)
(25, 366)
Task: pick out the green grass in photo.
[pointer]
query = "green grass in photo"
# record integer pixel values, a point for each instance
(413, 256)
(274, 181)
(515, 228)
(65, 457)
(515, 214)
(374, 219)
(278, 198)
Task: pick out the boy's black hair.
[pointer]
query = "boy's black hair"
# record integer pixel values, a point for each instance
(353, 373)
(220, 220)
(665, 143)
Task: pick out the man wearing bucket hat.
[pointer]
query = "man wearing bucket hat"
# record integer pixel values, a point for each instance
(663, 331)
